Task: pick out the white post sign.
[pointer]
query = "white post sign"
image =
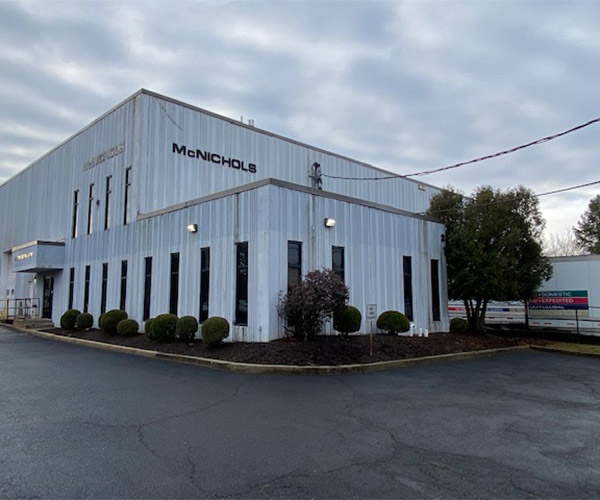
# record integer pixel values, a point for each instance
(371, 311)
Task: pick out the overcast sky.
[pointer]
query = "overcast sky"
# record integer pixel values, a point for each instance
(405, 86)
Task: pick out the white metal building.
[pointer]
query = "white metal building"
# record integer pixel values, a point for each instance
(158, 206)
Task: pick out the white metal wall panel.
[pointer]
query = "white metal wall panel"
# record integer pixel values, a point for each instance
(374, 241)
(174, 178)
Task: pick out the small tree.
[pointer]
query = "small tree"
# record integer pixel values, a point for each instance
(493, 247)
(587, 231)
(312, 301)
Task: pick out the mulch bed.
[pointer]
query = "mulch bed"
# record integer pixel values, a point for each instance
(326, 350)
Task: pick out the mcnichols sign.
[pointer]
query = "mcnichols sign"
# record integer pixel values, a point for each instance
(567, 303)
(214, 158)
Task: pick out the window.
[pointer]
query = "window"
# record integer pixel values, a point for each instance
(126, 217)
(71, 287)
(337, 261)
(90, 218)
(123, 285)
(104, 287)
(408, 301)
(75, 214)
(147, 286)
(294, 263)
(107, 202)
(174, 283)
(435, 290)
(241, 284)
(204, 282)
(86, 290)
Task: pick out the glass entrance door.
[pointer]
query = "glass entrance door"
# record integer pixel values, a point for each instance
(48, 294)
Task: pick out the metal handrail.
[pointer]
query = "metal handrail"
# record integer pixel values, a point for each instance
(20, 308)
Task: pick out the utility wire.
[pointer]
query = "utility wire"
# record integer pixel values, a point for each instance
(463, 163)
(547, 193)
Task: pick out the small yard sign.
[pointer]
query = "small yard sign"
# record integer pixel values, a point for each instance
(371, 311)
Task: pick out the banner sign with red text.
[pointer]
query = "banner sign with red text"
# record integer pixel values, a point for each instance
(564, 303)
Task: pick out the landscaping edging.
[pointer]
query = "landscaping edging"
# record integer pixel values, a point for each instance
(258, 368)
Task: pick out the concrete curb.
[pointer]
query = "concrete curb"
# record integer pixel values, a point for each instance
(556, 350)
(284, 369)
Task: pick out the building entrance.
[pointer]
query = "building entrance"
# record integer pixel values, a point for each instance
(47, 298)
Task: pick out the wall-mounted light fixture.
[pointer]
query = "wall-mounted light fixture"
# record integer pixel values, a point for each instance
(421, 187)
(192, 228)
(329, 222)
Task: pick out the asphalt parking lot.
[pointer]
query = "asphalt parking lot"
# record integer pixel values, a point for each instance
(80, 423)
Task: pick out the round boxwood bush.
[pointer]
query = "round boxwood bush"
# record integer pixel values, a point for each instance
(458, 325)
(347, 320)
(186, 328)
(128, 327)
(67, 320)
(110, 320)
(214, 329)
(393, 322)
(148, 328)
(84, 321)
(163, 326)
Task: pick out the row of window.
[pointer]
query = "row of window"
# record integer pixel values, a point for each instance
(241, 282)
(174, 285)
(295, 262)
(338, 267)
(107, 204)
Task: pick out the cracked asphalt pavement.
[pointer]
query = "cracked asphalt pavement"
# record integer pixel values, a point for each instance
(80, 423)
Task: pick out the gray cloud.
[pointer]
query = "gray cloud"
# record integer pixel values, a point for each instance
(406, 86)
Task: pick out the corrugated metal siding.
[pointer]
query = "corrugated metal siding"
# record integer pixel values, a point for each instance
(374, 241)
(173, 178)
(37, 205)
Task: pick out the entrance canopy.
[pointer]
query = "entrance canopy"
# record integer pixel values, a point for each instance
(38, 256)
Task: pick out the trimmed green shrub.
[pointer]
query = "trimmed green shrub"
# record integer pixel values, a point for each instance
(214, 329)
(186, 328)
(393, 322)
(128, 327)
(68, 319)
(148, 329)
(347, 320)
(458, 325)
(163, 327)
(84, 321)
(110, 320)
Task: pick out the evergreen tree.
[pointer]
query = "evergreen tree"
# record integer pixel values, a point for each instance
(493, 247)
(587, 231)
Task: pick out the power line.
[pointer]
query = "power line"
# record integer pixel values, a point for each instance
(566, 189)
(547, 193)
(476, 160)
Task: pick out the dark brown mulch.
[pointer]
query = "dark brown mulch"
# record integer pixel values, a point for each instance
(326, 350)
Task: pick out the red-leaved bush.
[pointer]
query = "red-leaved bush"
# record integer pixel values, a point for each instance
(308, 304)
